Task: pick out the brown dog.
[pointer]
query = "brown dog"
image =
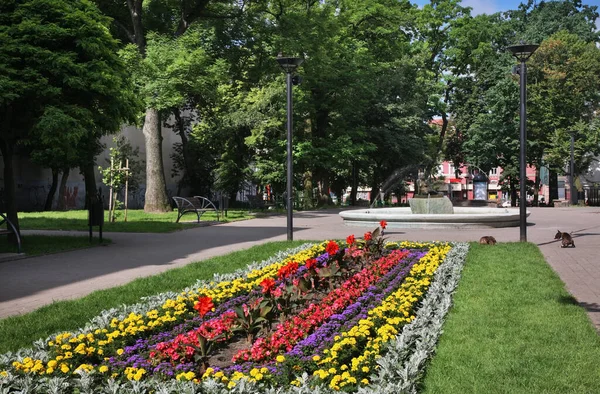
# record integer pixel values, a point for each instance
(487, 240)
(566, 239)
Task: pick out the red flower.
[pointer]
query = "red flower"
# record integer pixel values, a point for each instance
(204, 305)
(383, 224)
(288, 270)
(350, 240)
(368, 236)
(332, 248)
(267, 285)
(311, 263)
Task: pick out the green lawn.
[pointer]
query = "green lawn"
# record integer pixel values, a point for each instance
(21, 331)
(138, 221)
(33, 245)
(514, 329)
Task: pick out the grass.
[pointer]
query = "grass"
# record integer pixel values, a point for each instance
(21, 331)
(138, 221)
(514, 329)
(34, 245)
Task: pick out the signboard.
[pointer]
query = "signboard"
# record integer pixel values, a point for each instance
(480, 190)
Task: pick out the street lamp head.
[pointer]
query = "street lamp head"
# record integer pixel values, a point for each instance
(289, 64)
(523, 51)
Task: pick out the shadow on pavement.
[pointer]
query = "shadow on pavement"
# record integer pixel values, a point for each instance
(128, 251)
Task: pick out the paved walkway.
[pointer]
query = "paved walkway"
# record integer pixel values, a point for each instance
(32, 282)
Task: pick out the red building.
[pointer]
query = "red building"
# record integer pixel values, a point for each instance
(470, 184)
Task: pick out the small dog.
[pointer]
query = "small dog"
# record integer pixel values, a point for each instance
(566, 239)
(487, 240)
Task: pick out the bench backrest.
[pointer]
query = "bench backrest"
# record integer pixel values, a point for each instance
(194, 203)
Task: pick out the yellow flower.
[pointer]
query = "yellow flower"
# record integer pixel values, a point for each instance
(316, 358)
(119, 351)
(280, 359)
(103, 369)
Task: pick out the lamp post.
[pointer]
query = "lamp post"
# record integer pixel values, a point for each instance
(572, 171)
(289, 65)
(523, 52)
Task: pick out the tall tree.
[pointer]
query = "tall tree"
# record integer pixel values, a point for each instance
(565, 98)
(60, 75)
(135, 21)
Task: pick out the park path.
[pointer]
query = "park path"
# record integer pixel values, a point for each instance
(32, 282)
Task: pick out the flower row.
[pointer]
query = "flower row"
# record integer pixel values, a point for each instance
(341, 364)
(72, 353)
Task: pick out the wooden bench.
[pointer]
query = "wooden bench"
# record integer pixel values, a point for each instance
(197, 204)
(10, 229)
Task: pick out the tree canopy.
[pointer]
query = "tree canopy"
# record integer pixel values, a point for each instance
(62, 81)
(376, 74)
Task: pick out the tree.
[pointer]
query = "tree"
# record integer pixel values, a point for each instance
(564, 96)
(535, 21)
(137, 22)
(60, 75)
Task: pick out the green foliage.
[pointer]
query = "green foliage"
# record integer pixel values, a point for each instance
(252, 317)
(565, 82)
(62, 85)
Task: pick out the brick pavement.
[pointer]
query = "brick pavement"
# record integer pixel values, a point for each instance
(33, 282)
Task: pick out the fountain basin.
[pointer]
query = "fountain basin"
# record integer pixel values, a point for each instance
(463, 217)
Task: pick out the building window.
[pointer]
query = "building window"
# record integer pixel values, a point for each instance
(494, 171)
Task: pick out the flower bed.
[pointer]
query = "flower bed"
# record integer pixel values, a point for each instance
(322, 317)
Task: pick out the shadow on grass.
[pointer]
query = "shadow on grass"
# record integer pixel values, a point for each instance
(588, 306)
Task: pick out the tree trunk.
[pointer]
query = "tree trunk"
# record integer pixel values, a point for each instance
(323, 197)
(52, 191)
(89, 177)
(10, 196)
(375, 185)
(156, 189)
(62, 190)
(354, 184)
(513, 193)
(308, 190)
(188, 162)
(536, 187)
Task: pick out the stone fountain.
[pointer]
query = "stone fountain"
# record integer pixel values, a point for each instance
(433, 211)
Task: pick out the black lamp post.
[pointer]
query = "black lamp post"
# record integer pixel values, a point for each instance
(572, 171)
(523, 52)
(289, 65)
